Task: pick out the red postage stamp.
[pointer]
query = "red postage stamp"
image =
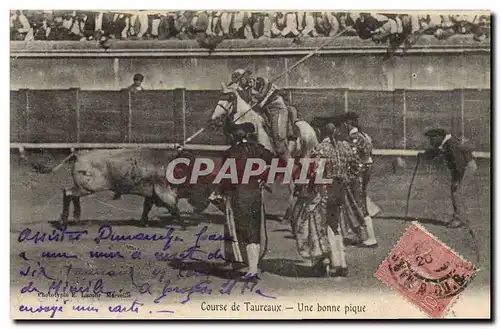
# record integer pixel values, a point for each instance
(425, 271)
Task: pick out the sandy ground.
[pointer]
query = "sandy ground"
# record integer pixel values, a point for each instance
(36, 201)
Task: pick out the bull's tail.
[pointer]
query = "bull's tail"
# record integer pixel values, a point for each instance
(66, 159)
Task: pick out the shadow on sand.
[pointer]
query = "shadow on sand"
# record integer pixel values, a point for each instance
(422, 220)
(290, 268)
(184, 221)
(199, 268)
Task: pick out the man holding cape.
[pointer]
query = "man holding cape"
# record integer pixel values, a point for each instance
(245, 214)
(317, 213)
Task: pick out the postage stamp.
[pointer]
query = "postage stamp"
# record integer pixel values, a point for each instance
(425, 271)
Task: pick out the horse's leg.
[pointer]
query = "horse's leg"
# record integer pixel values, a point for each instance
(146, 208)
(290, 202)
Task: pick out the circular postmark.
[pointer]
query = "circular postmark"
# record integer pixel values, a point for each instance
(426, 271)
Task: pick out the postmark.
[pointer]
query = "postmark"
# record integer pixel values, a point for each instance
(426, 271)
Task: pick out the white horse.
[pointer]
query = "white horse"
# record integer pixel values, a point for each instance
(235, 108)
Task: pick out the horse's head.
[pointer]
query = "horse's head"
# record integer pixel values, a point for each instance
(226, 106)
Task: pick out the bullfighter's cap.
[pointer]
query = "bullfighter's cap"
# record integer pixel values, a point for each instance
(247, 127)
(139, 77)
(435, 132)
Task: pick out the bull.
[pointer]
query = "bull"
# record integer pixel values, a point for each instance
(129, 171)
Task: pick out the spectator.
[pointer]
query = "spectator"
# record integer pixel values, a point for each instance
(153, 25)
(76, 26)
(429, 23)
(482, 29)
(99, 25)
(463, 23)
(387, 25)
(442, 26)
(241, 25)
(87, 20)
(19, 25)
(117, 26)
(200, 22)
(137, 26)
(68, 20)
(437, 25)
(137, 84)
(307, 24)
(39, 26)
(261, 25)
(286, 25)
(346, 21)
(183, 26)
(226, 21)
(292, 25)
(407, 25)
(108, 23)
(167, 28)
(366, 25)
(56, 30)
(466, 24)
(326, 24)
(214, 27)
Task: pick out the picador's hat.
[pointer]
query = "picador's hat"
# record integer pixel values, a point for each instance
(435, 132)
(247, 127)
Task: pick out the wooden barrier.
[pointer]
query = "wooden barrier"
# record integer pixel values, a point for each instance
(102, 116)
(426, 109)
(151, 117)
(476, 114)
(377, 117)
(395, 119)
(199, 107)
(209, 149)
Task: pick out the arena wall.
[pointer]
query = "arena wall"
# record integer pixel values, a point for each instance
(349, 62)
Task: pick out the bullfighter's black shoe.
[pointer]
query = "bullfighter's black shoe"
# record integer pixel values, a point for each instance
(338, 272)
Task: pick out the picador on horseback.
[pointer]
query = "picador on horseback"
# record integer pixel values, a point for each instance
(267, 100)
(277, 127)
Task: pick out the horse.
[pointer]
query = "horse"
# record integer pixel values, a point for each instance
(233, 107)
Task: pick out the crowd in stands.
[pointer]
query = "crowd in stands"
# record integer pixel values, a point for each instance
(95, 25)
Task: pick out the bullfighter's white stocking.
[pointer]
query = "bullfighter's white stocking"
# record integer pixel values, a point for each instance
(253, 252)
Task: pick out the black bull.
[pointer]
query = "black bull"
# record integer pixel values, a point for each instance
(133, 171)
